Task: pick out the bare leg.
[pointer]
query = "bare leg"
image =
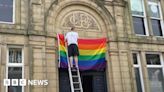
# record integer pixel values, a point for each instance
(76, 61)
(71, 61)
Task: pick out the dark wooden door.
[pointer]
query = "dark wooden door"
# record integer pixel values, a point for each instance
(92, 81)
(87, 82)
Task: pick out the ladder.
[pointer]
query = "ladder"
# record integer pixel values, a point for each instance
(74, 77)
(75, 80)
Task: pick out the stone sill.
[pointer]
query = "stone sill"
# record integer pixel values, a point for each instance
(142, 39)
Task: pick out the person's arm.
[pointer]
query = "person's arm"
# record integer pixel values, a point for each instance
(77, 38)
(77, 35)
(65, 38)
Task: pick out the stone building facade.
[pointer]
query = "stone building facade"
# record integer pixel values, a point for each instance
(29, 50)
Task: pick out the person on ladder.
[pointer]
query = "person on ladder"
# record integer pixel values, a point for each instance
(73, 51)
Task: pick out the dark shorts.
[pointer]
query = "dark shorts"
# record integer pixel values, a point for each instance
(73, 50)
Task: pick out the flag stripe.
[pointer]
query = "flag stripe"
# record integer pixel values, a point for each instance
(62, 43)
(92, 52)
(85, 62)
(99, 67)
(85, 57)
(90, 46)
(62, 48)
(92, 41)
(90, 57)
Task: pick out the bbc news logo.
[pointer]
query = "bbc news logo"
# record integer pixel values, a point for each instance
(24, 82)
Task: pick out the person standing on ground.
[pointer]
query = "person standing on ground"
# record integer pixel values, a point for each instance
(73, 51)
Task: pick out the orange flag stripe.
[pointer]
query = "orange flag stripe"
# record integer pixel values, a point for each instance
(91, 47)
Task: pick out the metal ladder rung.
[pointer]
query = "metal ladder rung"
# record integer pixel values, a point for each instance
(77, 89)
(76, 82)
(74, 76)
(74, 70)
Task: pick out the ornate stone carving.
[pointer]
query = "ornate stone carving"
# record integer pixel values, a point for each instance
(80, 20)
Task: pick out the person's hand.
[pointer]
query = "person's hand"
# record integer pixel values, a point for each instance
(107, 40)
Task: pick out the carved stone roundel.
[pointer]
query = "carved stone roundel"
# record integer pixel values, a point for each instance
(80, 20)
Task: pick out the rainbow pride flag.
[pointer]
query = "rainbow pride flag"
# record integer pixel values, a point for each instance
(92, 53)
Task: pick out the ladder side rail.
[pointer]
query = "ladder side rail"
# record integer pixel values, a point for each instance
(69, 70)
(79, 78)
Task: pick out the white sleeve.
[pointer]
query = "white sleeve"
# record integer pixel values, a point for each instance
(77, 35)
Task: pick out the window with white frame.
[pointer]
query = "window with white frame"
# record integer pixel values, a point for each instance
(15, 67)
(155, 71)
(139, 17)
(7, 11)
(138, 72)
(156, 17)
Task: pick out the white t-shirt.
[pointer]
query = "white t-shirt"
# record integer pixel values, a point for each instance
(72, 37)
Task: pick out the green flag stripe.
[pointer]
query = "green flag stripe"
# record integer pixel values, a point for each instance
(91, 57)
(63, 53)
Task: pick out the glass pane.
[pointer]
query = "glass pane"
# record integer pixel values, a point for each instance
(154, 11)
(156, 27)
(137, 7)
(138, 80)
(153, 59)
(135, 58)
(139, 26)
(156, 79)
(6, 10)
(15, 55)
(15, 73)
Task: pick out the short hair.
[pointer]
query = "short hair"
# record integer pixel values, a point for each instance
(72, 28)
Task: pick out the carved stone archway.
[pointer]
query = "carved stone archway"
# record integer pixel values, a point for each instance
(88, 23)
(92, 20)
(55, 15)
(81, 20)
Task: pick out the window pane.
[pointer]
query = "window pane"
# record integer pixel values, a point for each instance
(156, 27)
(154, 11)
(153, 59)
(14, 73)
(138, 80)
(6, 10)
(137, 7)
(156, 79)
(135, 58)
(15, 55)
(138, 24)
